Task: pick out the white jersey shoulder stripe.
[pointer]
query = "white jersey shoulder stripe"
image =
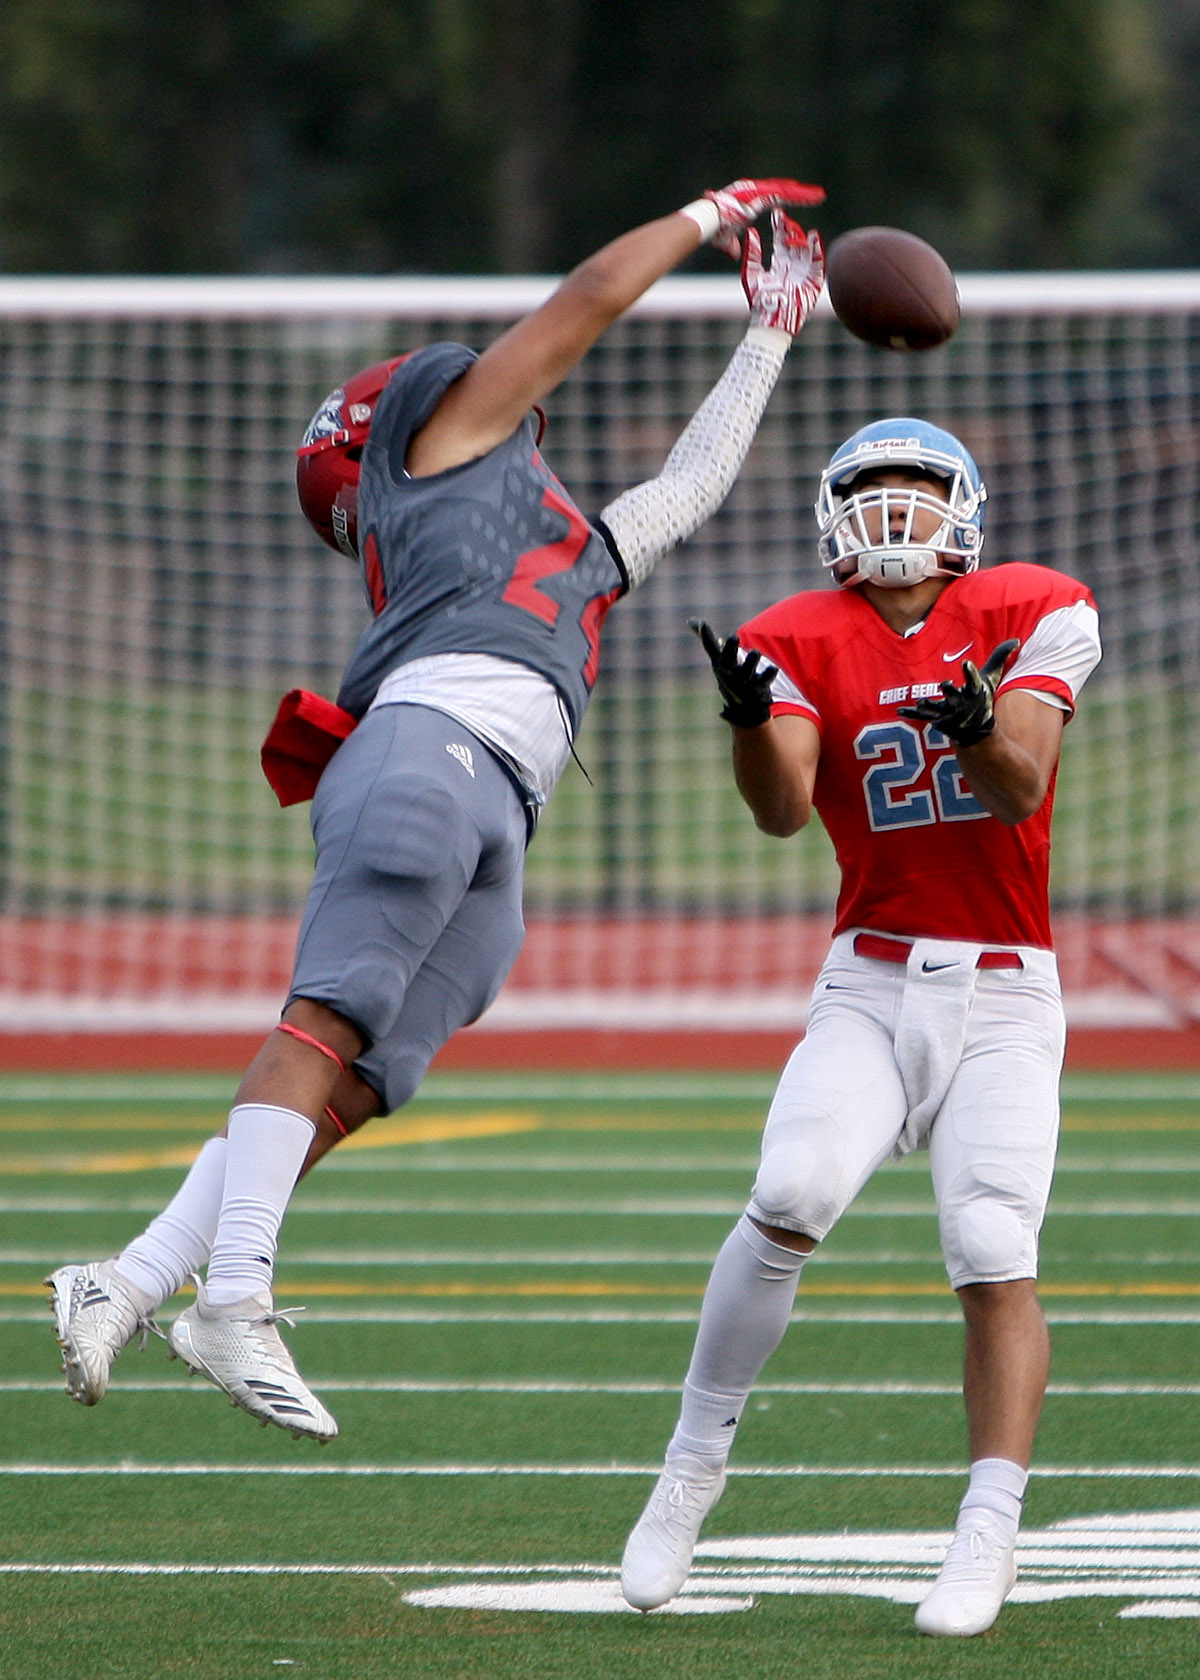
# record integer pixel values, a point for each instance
(1064, 645)
(784, 692)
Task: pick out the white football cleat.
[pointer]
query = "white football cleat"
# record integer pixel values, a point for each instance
(658, 1553)
(974, 1581)
(96, 1314)
(238, 1348)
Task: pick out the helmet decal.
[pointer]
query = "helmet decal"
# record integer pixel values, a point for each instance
(329, 457)
(327, 419)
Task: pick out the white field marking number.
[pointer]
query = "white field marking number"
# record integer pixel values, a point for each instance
(1151, 1558)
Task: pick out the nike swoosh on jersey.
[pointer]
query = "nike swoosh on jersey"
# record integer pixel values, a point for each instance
(949, 656)
(936, 968)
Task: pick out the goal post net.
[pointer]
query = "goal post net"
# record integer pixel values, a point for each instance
(159, 590)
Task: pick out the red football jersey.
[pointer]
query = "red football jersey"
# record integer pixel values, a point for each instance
(919, 855)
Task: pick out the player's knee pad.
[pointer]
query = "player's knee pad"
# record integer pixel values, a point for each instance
(794, 1189)
(987, 1239)
(402, 1076)
(371, 986)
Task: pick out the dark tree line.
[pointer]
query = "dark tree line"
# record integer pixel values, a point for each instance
(329, 136)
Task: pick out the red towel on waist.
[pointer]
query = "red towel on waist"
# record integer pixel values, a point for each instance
(307, 731)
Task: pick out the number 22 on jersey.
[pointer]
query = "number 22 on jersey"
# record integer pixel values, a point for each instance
(898, 792)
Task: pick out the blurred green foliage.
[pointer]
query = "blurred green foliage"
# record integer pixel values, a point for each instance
(430, 136)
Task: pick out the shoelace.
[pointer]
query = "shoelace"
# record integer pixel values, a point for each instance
(276, 1353)
(678, 1494)
(986, 1547)
(974, 1549)
(280, 1315)
(276, 1315)
(148, 1327)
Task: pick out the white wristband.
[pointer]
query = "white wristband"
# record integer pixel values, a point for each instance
(706, 216)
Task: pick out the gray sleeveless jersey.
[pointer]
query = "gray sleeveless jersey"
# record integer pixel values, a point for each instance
(489, 557)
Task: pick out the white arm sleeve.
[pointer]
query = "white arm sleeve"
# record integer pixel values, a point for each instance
(647, 521)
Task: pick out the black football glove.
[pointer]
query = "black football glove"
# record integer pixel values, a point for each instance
(745, 685)
(967, 714)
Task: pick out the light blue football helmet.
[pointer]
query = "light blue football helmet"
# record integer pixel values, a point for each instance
(867, 536)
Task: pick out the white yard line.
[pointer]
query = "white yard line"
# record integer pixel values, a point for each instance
(531, 1258)
(399, 1163)
(951, 1317)
(488, 1385)
(524, 1570)
(854, 1472)
(340, 1259)
(728, 1207)
(395, 1161)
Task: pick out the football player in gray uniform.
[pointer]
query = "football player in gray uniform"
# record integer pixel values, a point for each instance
(488, 589)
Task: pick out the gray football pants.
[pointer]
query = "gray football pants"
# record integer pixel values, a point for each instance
(413, 919)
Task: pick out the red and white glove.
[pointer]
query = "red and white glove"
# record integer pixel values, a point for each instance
(739, 205)
(785, 294)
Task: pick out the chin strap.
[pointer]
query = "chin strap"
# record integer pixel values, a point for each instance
(895, 569)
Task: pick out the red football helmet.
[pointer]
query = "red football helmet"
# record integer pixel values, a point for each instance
(328, 460)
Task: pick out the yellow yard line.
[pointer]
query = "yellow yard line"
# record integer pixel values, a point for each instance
(402, 1130)
(615, 1291)
(397, 1128)
(1132, 1123)
(684, 1121)
(441, 1128)
(381, 1134)
(551, 1119)
(123, 1161)
(56, 1125)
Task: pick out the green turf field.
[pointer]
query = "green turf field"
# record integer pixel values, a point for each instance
(502, 1285)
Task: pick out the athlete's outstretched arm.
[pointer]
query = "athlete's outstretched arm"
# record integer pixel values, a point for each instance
(486, 405)
(649, 520)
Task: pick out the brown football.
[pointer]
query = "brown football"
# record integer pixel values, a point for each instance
(891, 289)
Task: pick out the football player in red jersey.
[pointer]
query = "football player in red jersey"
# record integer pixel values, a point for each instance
(918, 707)
(457, 711)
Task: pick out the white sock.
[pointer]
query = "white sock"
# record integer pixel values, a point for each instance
(996, 1485)
(267, 1146)
(177, 1241)
(746, 1310)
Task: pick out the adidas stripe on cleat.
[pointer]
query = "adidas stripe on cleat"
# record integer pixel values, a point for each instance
(238, 1348)
(96, 1314)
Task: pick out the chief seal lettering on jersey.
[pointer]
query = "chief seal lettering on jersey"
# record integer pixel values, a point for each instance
(841, 666)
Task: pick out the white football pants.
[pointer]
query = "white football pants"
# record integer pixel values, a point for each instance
(979, 1059)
